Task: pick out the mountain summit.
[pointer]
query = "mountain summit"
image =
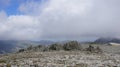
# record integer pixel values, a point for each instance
(107, 40)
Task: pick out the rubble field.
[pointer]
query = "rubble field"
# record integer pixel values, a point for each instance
(63, 58)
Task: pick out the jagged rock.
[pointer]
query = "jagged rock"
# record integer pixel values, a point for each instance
(93, 49)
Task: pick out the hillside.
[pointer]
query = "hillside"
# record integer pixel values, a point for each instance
(107, 40)
(8, 46)
(110, 57)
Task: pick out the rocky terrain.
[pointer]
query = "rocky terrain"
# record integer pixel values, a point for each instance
(62, 59)
(87, 56)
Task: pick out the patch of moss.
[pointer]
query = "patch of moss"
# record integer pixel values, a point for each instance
(2, 61)
(8, 65)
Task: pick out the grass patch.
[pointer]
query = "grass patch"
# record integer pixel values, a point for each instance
(2, 61)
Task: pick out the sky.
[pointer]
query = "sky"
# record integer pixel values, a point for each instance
(59, 19)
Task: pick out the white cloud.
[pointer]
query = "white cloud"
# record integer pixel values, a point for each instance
(21, 27)
(64, 19)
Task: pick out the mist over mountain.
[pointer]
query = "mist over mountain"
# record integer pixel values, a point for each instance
(36, 20)
(8, 46)
(106, 40)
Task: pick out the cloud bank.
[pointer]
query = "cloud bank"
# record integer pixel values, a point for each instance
(62, 19)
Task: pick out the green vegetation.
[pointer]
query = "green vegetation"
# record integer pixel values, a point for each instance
(30, 47)
(69, 46)
(21, 50)
(8, 65)
(56, 47)
(72, 45)
(2, 61)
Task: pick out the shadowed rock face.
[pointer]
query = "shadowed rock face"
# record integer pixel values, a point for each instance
(93, 49)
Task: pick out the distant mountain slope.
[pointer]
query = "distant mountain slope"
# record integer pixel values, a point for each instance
(107, 40)
(7, 46)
